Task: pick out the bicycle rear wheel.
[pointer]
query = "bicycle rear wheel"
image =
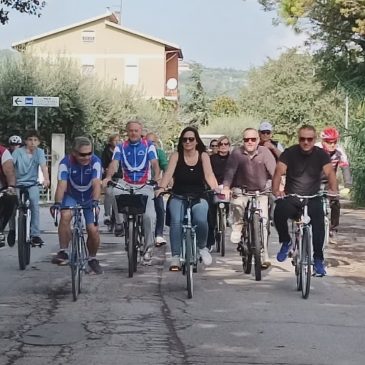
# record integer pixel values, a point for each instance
(22, 240)
(256, 244)
(305, 262)
(188, 262)
(222, 230)
(75, 264)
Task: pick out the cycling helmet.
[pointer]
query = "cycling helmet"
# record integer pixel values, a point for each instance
(15, 140)
(330, 133)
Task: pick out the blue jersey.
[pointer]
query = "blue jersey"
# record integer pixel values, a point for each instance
(135, 160)
(79, 177)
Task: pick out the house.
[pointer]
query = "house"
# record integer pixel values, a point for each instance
(114, 53)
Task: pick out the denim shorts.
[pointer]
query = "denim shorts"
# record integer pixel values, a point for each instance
(69, 201)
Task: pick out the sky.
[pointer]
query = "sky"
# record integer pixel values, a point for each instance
(216, 33)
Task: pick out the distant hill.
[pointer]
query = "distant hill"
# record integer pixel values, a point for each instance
(216, 82)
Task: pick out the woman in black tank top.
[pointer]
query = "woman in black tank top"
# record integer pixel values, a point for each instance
(191, 170)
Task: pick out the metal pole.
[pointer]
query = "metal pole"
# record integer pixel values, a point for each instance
(346, 112)
(36, 118)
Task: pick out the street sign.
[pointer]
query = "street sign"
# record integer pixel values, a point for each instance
(37, 101)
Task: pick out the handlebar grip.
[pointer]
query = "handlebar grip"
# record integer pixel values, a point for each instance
(111, 183)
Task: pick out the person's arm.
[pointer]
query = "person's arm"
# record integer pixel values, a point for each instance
(162, 159)
(9, 172)
(270, 163)
(208, 172)
(331, 177)
(167, 176)
(347, 178)
(273, 148)
(43, 164)
(280, 170)
(60, 191)
(156, 169)
(96, 181)
(229, 173)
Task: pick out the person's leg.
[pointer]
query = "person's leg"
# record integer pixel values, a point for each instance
(176, 210)
(335, 213)
(117, 192)
(7, 209)
(212, 222)
(64, 236)
(237, 210)
(264, 206)
(149, 217)
(34, 208)
(160, 216)
(315, 211)
(108, 201)
(199, 219)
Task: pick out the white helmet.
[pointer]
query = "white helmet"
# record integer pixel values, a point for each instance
(15, 140)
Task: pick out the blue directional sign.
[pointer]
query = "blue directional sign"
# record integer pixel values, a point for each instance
(35, 101)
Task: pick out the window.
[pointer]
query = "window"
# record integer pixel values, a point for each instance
(88, 36)
(131, 71)
(87, 66)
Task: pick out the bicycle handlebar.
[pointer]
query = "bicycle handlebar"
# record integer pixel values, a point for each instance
(129, 187)
(79, 207)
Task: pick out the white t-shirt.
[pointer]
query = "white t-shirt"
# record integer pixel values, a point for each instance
(6, 156)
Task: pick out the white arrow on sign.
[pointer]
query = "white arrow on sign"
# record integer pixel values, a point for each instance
(35, 101)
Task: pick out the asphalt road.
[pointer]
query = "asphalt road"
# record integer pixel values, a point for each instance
(232, 319)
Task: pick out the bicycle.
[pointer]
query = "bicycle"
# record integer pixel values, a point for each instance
(188, 254)
(221, 222)
(24, 220)
(252, 236)
(78, 255)
(132, 206)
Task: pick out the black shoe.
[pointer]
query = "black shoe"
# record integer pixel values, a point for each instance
(119, 230)
(11, 238)
(95, 266)
(2, 239)
(36, 241)
(60, 259)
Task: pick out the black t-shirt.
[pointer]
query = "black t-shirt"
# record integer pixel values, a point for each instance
(304, 171)
(218, 165)
(188, 179)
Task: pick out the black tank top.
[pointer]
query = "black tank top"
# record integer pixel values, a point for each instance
(188, 179)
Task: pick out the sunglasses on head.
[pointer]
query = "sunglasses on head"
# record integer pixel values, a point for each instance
(252, 139)
(223, 144)
(86, 154)
(188, 139)
(265, 132)
(304, 139)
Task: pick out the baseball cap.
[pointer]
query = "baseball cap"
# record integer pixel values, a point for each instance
(265, 126)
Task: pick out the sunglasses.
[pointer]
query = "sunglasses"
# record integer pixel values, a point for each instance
(86, 154)
(223, 144)
(214, 146)
(265, 132)
(253, 139)
(332, 141)
(188, 139)
(306, 139)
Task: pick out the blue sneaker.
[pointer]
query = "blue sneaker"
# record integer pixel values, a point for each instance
(318, 268)
(284, 250)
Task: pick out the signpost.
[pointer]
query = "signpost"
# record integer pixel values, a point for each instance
(36, 101)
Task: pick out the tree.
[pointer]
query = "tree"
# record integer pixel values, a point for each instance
(286, 92)
(224, 106)
(196, 107)
(32, 7)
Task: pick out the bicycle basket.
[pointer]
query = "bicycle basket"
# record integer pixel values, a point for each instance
(131, 204)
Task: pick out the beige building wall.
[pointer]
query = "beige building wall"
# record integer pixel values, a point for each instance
(116, 56)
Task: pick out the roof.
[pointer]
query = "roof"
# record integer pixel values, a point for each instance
(110, 20)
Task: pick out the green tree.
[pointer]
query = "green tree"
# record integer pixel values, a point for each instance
(196, 107)
(32, 7)
(224, 106)
(287, 92)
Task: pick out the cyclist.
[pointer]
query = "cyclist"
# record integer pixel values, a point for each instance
(27, 160)
(218, 162)
(159, 204)
(303, 165)
(249, 169)
(329, 143)
(7, 181)
(106, 158)
(14, 143)
(79, 177)
(213, 146)
(190, 168)
(137, 157)
(265, 133)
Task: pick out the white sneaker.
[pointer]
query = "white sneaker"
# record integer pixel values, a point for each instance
(175, 264)
(147, 257)
(235, 236)
(160, 241)
(206, 256)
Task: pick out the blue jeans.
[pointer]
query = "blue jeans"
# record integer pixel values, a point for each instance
(199, 219)
(34, 208)
(160, 215)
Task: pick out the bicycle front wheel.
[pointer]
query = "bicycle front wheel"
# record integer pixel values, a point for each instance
(222, 230)
(131, 242)
(22, 240)
(305, 262)
(188, 262)
(75, 264)
(256, 244)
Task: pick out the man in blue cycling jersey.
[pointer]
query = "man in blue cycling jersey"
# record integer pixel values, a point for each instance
(137, 156)
(79, 182)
